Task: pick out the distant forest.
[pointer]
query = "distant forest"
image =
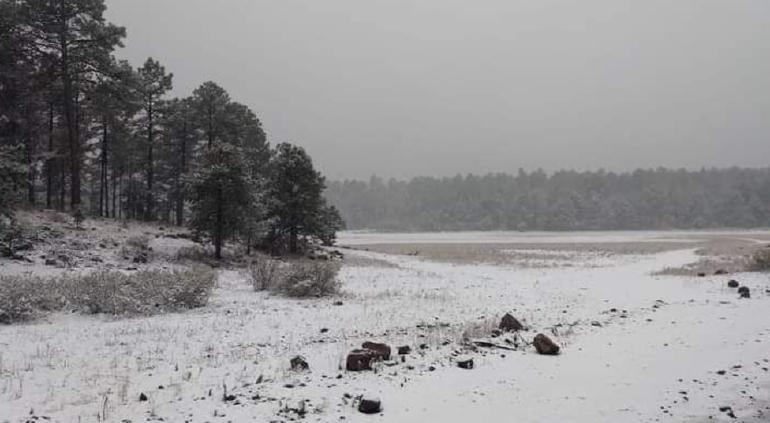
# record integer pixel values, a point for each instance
(565, 200)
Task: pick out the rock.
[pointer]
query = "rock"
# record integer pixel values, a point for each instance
(465, 364)
(324, 330)
(382, 351)
(701, 274)
(404, 350)
(359, 360)
(720, 272)
(338, 303)
(744, 292)
(544, 345)
(140, 258)
(142, 397)
(51, 262)
(509, 323)
(299, 364)
(370, 405)
(733, 284)
(596, 324)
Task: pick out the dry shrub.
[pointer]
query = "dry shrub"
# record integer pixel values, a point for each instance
(299, 279)
(265, 273)
(760, 260)
(146, 292)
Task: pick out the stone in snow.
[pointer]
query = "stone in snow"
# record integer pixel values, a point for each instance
(382, 351)
(733, 284)
(299, 364)
(509, 323)
(544, 345)
(360, 360)
(465, 364)
(744, 292)
(370, 405)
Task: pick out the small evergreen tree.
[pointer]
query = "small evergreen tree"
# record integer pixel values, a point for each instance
(221, 194)
(296, 207)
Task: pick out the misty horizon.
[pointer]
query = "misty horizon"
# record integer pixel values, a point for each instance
(400, 90)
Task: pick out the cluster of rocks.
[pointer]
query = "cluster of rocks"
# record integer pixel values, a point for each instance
(370, 352)
(743, 291)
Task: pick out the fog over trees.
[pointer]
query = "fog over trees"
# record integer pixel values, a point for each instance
(565, 200)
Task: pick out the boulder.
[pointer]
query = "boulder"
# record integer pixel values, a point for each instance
(720, 272)
(370, 405)
(544, 345)
(465, 364)
(509, 323)
(382, 351)
(701, 274)
(733, 284)
(299, 364)
(404, 350)
(744, 292)
(360, 360)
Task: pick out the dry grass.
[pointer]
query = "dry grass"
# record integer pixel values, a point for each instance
(298, 279)
(147, 292)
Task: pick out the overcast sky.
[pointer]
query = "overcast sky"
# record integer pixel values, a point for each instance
(439, 87)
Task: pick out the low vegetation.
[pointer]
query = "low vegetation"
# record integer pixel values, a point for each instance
(298, 279)
(760, 260)
(142, 293)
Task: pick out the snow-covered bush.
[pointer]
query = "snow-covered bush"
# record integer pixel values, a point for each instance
(760, 260)
(309, 279)
(300, 279)
(265, 273)
(25, 297)
(147, 292)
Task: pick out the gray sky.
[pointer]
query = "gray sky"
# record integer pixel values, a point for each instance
(439, 87)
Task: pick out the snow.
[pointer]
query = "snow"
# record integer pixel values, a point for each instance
(677, 332)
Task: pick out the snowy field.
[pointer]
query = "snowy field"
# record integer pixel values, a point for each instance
(636, 346)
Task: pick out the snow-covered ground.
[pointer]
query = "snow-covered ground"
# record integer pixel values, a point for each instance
(658, 357)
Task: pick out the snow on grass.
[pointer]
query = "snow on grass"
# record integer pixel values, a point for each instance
(673, 337)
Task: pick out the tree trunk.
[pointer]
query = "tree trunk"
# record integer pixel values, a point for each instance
(293, 247)
(103, 194)
(219, 230)
(69, 112)
(150, 159)
(180, 171)
(49, 163)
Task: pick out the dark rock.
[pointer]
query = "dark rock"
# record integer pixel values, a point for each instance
(701, 274)
(324, 330)
(140, 258)
(229, 398)
(299, 364)
(359, 360)
(338, 303)
(370, 406)
(733, 284)
(744, 292)
(382, 351)
(720, 272)
(509, 323)
(51, 262)
(404, 350)
(544, 345)
(465, 364)
(142, 397)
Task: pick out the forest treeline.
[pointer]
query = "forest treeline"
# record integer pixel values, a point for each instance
(84, 132)
(565, 200)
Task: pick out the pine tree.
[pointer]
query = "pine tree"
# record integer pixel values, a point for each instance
(75, 37)
(296, 207)
(221, 194)
(153, 83)
(210, 102)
